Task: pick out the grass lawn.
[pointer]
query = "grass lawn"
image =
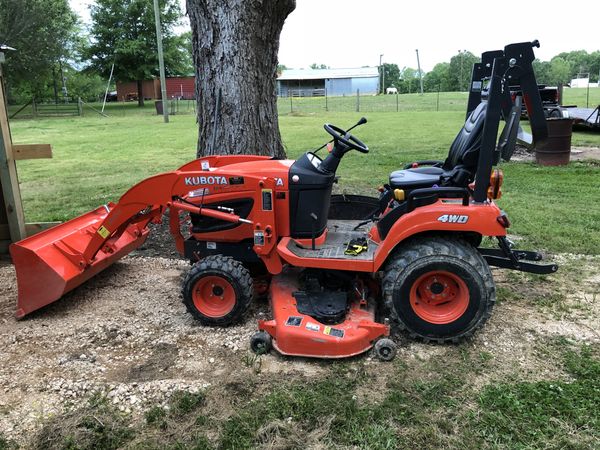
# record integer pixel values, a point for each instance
(96, 159)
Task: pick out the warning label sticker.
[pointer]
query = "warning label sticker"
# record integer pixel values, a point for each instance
(293, 321)
(336, 332)
(103, 231)
(313, 326)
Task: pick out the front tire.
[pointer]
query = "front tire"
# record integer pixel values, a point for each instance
(217, 290)
(439, 289)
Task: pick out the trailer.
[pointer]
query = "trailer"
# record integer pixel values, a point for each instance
(585, 117)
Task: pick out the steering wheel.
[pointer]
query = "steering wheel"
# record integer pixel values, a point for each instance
(346, 138)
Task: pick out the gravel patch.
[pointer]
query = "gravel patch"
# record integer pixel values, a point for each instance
(126, 335)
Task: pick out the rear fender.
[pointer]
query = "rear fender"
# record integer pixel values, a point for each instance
(444, 216)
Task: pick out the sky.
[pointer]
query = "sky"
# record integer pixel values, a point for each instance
(353, 33)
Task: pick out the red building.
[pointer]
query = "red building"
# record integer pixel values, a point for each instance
(177, 87)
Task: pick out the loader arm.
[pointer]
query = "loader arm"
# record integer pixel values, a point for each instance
(56, 261)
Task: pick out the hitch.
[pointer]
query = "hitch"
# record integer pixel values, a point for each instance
(507, 258)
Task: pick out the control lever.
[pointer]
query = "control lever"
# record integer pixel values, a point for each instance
(314, 218)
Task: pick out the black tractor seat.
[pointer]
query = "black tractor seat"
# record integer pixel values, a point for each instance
(417, 178)
(460, 165)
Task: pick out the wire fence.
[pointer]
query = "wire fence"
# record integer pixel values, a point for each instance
(430, 101)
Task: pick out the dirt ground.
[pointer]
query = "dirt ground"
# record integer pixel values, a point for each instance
(577, 154)
(126, 334)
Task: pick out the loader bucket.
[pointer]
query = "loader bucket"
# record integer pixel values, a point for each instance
(50, 264)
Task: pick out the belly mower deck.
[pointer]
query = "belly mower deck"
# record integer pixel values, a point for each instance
(298, 334)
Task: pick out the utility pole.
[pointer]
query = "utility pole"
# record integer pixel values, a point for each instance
(420, 74)
(382, 74)
(64, 83)
(460, 81)
(161, 62)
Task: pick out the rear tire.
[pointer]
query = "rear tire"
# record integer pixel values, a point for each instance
(439, 289)
(217, 290)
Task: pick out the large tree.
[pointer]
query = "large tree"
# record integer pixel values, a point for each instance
(391, 78)
(235, 45)
(460, 69)
(438, 78)
(124, 33)
(42, 31)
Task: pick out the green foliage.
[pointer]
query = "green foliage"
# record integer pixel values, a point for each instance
(438, 78)
(409, 80)
(155, 415)
(98, 425)
(581, 61)
(89, 86)
(319, 66)
(392, 76)
(184, 402)
(459, 71)
(43, 32)
(6, 444)
(567, 65)
(531, 414)
(124, 33)
(560, 71)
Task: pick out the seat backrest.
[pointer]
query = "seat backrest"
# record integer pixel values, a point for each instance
(464, 151)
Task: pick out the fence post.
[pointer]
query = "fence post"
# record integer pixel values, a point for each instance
(326, 104)
(79, 106)
(438, 97)
(34, 107)
(587, 100)
(358, 100)
(291, 104)
(397, 105)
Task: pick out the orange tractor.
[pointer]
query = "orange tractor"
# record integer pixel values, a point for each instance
(338, 270)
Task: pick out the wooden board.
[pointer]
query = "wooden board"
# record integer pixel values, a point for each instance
(3, 216)
(8, 176)
(31, 151)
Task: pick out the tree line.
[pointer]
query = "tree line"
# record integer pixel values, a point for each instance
(57, 55)
(456, 74)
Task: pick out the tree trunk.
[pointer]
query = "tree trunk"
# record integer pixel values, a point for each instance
(235, 45)
(140, 93)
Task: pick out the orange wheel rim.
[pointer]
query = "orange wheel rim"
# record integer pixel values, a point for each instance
(213, 296)
(439, 297)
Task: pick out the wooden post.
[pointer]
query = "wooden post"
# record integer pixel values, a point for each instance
(8, 175)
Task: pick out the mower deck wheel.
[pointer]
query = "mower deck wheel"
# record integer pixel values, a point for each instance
(385, 349)
(217, 290)
(261, 343)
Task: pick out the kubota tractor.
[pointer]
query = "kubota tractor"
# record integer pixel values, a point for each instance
(339, 271)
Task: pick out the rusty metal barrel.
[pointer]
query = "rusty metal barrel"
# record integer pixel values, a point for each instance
(556, 149)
